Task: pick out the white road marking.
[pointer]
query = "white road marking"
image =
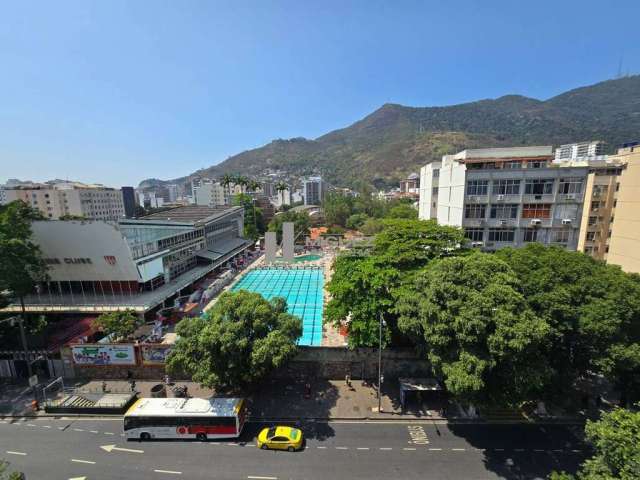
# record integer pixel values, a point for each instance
(110, 448)
(576, 451)
(46, 426)
(77, 460)
(342, 448)
(261, 478)
(322, 447)
(386, 448)
(61, 428)
(31, 425)
(362, 448)
(172, 472)
(109, 433)
(405, 448)
(435, 449)
(458, 449)
(557, 450)
(78, 430)
(10, 452)
(519, 450)
(94, 431)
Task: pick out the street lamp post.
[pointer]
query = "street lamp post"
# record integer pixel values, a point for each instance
(380, 364)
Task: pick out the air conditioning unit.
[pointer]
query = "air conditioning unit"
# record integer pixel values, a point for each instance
(500, 198)
(471, 198)
(477, 244)
(536, 221)
(566, 221)
(570, 196)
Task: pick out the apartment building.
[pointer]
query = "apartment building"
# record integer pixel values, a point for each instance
(313, 190)
(507, 196)
(211, 194)
(624, 245)
(593, 150)
(55, 200)
(410, 184)
(428, 202)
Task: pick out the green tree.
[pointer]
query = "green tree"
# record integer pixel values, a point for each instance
(226, 181)
(355, 221)
(253, 220)
(301, 223)
(468, 314)
(239, 341)
(337, 208)
(21, 262)
(119, 324)
(363, 287)
(5, 474)
(593, 310)
(371, 226)
(616, 441)
(403, 210)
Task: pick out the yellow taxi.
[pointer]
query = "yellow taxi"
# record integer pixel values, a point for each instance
(280, 438)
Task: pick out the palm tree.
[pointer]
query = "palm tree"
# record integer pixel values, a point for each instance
(242, 181)
(253, 185)
(226, 181)
(281, 187)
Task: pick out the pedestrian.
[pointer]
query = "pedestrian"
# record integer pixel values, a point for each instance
(167, 380)
(104, 387)
(347, 380)
(132, 383)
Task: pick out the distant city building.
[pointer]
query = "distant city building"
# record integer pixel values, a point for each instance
(172, 192)
(210, 194)
(3, 195)
(55, 200)
(506, 196)
(428, 202)
(149, 199)
(313, 190)
(624, 245)
(411, 184)
(129, 201)
(268, 211)
(269, 189)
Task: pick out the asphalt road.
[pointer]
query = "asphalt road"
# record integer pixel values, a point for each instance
(48, 449)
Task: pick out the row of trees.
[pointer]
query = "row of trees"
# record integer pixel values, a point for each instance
(364, 211)
(516, 325)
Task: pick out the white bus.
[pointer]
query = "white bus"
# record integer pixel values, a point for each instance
(185, 418)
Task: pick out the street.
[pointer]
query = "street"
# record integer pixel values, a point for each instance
(66, 449)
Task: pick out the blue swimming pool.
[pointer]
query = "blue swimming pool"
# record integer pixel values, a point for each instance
(301, 288)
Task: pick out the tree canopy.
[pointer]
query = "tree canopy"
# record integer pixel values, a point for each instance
(616, 441)
(363, 287)
(119, 324)
(468, 315)
(254, 225)
(239, 341)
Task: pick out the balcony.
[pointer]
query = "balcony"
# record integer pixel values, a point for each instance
(502, 222)
(570, 197)
(537, 198)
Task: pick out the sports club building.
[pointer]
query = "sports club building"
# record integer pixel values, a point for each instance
(97, 266)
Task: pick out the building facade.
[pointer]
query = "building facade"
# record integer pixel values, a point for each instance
(428, 201)
(624, 246)
(211, 194)
(129, 201)
(97, 266)
(93, 202)
(593, 150)
(411, 184)
(313, 190)
(508, 197)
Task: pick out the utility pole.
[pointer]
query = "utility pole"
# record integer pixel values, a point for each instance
(23, 337)
(380, 364)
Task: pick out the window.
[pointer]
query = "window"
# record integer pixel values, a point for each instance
(600, 190)
(593, 221)
(536, 210)
(570, 185)
(530, 235)
(560, 236)
(475, 211)
(506, 187)
(565, 211)
(513, 164)
(539, 186)
(595, 206)
(504, 211)
(474, 234)
(501, 235)
(434, 191)
(436, 173)
(537, 164)
(591, 236)
(477, 187)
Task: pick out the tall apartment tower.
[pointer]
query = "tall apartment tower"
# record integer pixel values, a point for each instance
(93, 202)
(129, 201)
(506, 196)
(313, 190)
(428, 203)
(624, 245)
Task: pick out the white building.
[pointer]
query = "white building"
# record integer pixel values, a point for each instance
(313, 190)
(506, 196)
(428, 203)
(210, 194)
(593, 150)
(93, 202)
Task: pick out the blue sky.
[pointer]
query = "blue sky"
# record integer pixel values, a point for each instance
(115, 92)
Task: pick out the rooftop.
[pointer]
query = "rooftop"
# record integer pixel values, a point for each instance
(189, 213)
(216, 406)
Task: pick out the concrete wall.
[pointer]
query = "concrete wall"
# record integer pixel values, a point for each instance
(451, 190)
(270, 245)
(427, 205)
(287, 242)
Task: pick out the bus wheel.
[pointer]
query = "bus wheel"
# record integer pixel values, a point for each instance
(201, 436)
(145, 436)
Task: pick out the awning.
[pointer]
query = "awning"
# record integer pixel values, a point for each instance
(227, 245)
(417, 385)
(208, 254)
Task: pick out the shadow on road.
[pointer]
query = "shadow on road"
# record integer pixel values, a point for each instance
(526, 451)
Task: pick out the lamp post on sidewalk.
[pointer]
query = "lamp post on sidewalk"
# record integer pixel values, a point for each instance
(380, 364)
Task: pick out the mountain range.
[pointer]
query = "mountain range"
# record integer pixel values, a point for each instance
(396, 140)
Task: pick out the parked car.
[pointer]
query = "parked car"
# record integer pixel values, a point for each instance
(280, 438)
